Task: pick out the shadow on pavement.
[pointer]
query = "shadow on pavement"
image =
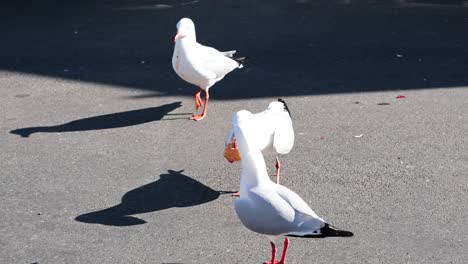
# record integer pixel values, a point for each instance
(116, 120)
(294, 47)
(173, 189)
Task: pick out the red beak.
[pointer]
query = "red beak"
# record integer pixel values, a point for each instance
(177, 36)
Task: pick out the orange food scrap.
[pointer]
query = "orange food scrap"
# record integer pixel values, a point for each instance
(231, 152)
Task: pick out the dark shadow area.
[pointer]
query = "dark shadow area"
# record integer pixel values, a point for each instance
(294, 47)
(115, 120)
(173, 189)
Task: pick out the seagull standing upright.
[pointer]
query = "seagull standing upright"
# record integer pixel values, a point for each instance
(273, 131)
(200, 65)
(268, 208)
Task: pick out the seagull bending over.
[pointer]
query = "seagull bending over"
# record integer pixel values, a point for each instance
(268, 208)
(273, 131)
(200, 65)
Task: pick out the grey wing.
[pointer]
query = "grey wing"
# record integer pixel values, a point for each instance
(306, 222)
(266, 213)
(296, 202)
(216, 62)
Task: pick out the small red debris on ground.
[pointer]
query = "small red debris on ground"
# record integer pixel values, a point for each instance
(323, 138)
(400, 97)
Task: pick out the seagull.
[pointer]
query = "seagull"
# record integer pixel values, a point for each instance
(200, 65)
(268, 208)
(274, 131)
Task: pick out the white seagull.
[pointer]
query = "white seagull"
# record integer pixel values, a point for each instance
(268, 208)
(273, 131)
(200, 65)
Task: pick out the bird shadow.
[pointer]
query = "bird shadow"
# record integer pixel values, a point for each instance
(115, 120)
(173, 189)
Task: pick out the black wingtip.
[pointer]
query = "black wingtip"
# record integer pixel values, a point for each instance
(331, 231)
(327, 231)
(285, 106)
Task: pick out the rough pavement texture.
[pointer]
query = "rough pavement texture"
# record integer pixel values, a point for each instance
(100, 164)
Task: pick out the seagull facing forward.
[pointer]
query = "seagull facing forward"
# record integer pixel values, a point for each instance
(268, 208)
(200, 65)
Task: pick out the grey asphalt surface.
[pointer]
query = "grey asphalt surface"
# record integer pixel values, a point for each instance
(100, 163)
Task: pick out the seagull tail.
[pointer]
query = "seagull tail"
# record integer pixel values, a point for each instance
(240, 61)
(229, 53)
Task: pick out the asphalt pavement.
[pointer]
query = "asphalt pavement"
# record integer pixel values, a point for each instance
(101, 164)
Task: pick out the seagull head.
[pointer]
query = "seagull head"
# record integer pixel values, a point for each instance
(185, 28)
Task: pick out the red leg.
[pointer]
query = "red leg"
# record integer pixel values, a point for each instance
(205, 107)
(285, 249)
(198, 101)
(237, 194)
(273, 255)
(278, 168)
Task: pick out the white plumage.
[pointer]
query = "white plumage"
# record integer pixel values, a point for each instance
(200, 65)
(273, 130)
(268, 208)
